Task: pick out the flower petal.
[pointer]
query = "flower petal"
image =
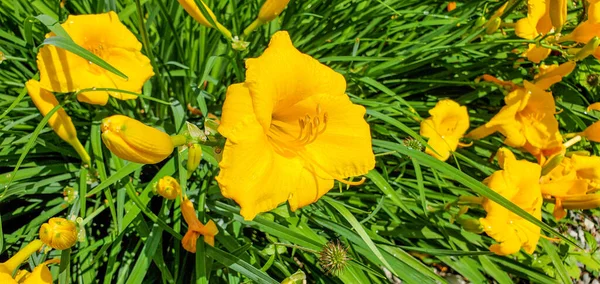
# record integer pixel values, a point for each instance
(252, 173)
(135, 65)
(282, 76)
(63, 71)
(105, 29)
(40, 275)
(309, 189)
(344, 148)
(443, 147)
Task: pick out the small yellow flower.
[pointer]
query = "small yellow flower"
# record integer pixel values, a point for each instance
(60, 121)
(448, 123)
(291, 131)
(40, 274)
(134, 141)
(528, 120)
(105, 36)
(195, 227)
(167, 187)
(518, 181)
(59, 233)
(271, 9)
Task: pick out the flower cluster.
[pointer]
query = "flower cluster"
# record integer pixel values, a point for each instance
(527, 122)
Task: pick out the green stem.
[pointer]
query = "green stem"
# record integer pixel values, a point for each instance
(179, 140)
(297, 247)
(252, 27)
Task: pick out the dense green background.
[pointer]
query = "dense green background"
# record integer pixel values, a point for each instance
(398, 56)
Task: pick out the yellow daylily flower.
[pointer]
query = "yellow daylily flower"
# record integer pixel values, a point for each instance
(448, 123)
(59, 233)
(195, 227)
(40, 274)
(134, 141)
(536, 53)
(526, 121)
(271, 9)
(105, 36)
(60, 121)
(562, 182)
(537, 21)
(518, 181)
(167, 187)
(291, 131)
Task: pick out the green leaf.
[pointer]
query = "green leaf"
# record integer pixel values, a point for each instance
(237, 264)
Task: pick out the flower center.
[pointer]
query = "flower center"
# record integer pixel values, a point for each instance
(288, 136)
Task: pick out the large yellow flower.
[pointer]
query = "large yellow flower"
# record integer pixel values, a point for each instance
(518, 181)
(448, 123)
(105, 36)
(291, 131)
(526, 121)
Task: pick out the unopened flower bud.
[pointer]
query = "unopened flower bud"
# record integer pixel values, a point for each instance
(167, 187)
(194, 158)
(587, 201)
(493, 26)
(59, 233)
(592, 132)
(134, 141)
(297, 278)
(271, 9)
(60, 121)
(588, 49)
(558, 13)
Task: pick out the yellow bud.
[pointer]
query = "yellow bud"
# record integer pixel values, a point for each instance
(194, 158)
(191, 8)
(59, 233)
(134, 141)
(167, 187)
(558, 13)
(588, 49)
(588, 201)
(60, 121)
(271, 9)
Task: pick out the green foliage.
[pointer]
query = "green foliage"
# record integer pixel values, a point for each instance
(398, 57)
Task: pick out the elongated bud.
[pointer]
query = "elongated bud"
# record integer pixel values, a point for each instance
(59, 233)
(552, 163)
(588, 201)
(558, 13)
(480, 22)
(194, 158)
(271, 9)
(471, 225)
(134, 141)
(451, 6)
(588, 49)
(167, 187)
(192, 9)
(493, 26)
(60, 121)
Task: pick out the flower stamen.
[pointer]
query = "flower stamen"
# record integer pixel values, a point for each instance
(361, 181)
